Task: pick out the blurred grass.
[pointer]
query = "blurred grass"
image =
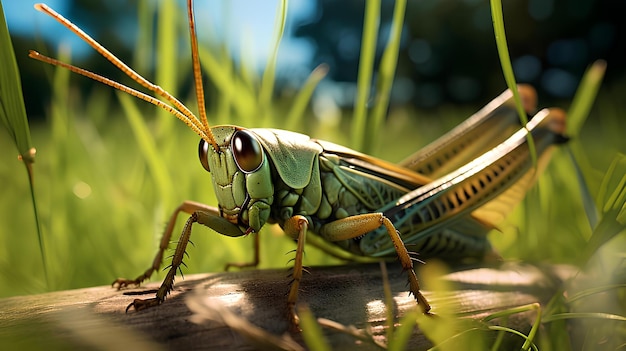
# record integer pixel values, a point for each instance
(104, 195)
(13, 119)
(366, 71)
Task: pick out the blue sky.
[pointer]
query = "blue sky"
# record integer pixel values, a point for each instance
(241, 23)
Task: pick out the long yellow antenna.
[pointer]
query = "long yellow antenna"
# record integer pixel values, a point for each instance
(197, 74)
(194, 126)
(179, 110)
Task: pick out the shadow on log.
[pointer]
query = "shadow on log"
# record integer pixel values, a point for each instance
(350, 295)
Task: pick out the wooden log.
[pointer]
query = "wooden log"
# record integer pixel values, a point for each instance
(350, 295)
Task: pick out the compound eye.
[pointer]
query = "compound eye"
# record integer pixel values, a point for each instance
(203, 154)
(247, 151)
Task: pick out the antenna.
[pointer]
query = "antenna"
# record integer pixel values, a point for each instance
(178, 109)
(197, 73)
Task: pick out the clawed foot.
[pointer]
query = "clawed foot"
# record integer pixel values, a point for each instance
(140, 305)
(121, 283)
(294, 319)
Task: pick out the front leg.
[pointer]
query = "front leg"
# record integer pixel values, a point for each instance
(355, 226)
(188, 207)
(200, 213)
(177, 260)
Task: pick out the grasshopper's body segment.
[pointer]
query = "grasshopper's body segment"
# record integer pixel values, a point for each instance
(325, 182)
(440, 200)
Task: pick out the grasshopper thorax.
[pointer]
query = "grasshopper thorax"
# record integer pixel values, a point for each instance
(241, 176)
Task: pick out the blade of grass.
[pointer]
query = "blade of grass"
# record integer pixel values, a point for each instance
(303, 97)
(386, 74)
(13, 117)
(584, 315)
(595, 290)
(147, 145)
(585, 97)
(612, 197)
(243, 101)
(246, 68)
(227, 99)
(366, 67)
(61, 119)
(507, 69)
(589, 205)
(12, 110)
(528, 343)
(269, 74)
(403, 332)
(577, 115)
(311, 331)
(142, 55)
(454, 341)
(167, 67)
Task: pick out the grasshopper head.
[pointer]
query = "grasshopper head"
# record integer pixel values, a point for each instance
(241, 176)
(240, 170)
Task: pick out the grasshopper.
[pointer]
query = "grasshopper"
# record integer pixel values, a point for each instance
(439, 200)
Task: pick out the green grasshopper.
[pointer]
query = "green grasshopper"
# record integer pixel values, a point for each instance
(439, 200)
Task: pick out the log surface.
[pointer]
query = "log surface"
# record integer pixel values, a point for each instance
(350, 294)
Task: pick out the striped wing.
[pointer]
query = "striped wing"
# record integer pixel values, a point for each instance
(459, 206)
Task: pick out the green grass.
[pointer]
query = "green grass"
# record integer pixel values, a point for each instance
(13, 118)
(107, 184)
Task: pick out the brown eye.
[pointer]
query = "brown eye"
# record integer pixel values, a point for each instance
(203, 154)
(247, 151)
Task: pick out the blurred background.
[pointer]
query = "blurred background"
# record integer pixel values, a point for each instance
(105, 193)
(448, 53)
